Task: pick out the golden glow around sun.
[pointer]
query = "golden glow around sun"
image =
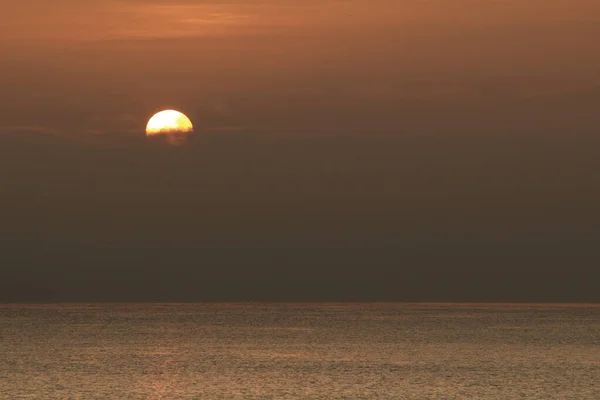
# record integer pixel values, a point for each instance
(168, 121)
(170, 125)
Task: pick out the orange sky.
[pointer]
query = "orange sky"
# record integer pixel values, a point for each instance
(72, 20)
(88, 66)
(448, 142)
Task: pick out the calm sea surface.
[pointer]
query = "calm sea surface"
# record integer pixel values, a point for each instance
(299, 351)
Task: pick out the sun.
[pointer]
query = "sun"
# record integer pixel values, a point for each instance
(174, 125)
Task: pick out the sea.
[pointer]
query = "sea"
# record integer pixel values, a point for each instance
(300, 351)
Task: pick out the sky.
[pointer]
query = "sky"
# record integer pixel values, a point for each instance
(382, 150)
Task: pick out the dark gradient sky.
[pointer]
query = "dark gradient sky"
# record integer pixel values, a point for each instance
(345, 150)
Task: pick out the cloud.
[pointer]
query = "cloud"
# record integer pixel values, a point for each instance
(36, 130)
(85, 20)
(88, 137)
(82, 21)
(225, 128)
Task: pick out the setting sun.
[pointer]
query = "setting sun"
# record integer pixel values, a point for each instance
(174, 124)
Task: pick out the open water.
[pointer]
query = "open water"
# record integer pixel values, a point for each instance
(299, 351)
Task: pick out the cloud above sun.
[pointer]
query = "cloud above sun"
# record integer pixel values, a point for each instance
(85, 20)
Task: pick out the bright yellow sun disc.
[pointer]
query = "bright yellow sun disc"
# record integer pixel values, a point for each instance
(168, 121)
